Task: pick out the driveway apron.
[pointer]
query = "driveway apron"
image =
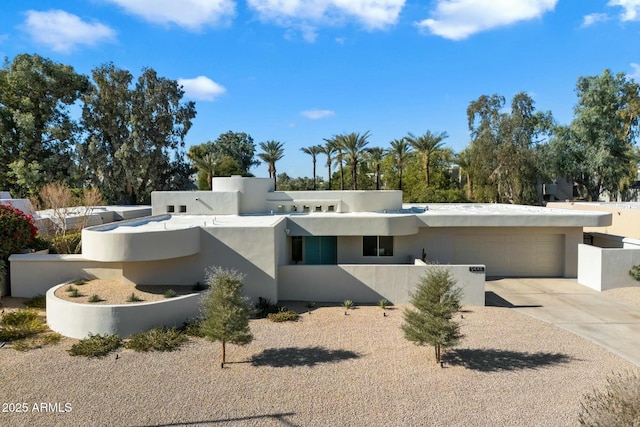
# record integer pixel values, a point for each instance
(593, 315)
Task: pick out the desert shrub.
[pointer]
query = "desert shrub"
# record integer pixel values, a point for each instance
(192, 328)
(96, 345)
(74, 293)
(39, 301)
(617, 405)
(17, 231)
(383, 304)
(95, 298)
(20, 324)
(347, 304)
(264, 307)
(634, 272)
(70, 288)
(31, 343)
(283, 315)
(157, 339)
(170, 293)
(133, 298)
(66, 243)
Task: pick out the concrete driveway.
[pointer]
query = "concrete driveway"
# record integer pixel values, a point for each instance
(563, 302)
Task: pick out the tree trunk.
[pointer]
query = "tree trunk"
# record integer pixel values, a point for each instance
(354, 175)
(224, 353)
(314, 174)
(378, 176)
(329, 166)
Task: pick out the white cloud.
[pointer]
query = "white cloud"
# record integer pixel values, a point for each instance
(307, 15)
(317, 114)
(190, 14)
(594, 18)
(62, 31)
(635, 74)
(202, 88)
(459, 19)
(631, 9)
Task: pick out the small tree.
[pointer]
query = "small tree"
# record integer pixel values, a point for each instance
(226, 312)
(617, 405)
(436, 301)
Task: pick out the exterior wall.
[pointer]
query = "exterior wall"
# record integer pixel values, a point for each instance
(33, 275)
(346, 201)
(603, 269)
(349, 225)
(625, 220)
(253, 192)
(368, 283)
(124, 320)
(196, 202)
(100, 244)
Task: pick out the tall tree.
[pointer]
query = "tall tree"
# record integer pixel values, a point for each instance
(353, 145)
(36, 126)
(313, 151)
(596, 148)
(206, 164)
(464, 162)
(426, 146)
(239, 146)
(135, 136)
(374, 157)
(435, 301)
(329, 149)
(272, 151)
(401, 152)
(226, 311)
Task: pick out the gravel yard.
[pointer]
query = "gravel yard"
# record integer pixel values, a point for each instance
(326, 369)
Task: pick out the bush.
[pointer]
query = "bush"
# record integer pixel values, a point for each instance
(170, 293)
(635, 272)
(264, 307)
(284, 315)
(20, 324)
(96, 345)
(157, 339)
(74, 293)
(133, 298)
(193, 328)
(95, 298)
(39, 301)
(37, 342)
(17, 231)
(617, 405)
(67, 243)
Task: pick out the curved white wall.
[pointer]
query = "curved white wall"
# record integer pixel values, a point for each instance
(115, 243)
(79, 320)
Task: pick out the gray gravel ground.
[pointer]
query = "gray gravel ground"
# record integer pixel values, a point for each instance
(327, 369)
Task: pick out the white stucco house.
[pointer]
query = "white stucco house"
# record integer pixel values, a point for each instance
(318, 245)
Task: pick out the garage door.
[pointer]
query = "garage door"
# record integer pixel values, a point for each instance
(514, 255)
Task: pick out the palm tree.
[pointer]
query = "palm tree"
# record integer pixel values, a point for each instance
(426, 145)
(313, 151)
(400, 151)
(464, 162)
(206, 163)
(374, 157)
(353, 146)
(272, 151)
(329, 150)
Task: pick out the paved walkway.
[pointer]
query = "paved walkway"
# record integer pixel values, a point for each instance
(563, 302)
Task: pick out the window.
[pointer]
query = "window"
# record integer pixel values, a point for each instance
(171, 209)
(305, 208)
(183, 209)
(318, 208)
(377, 245)
(331, 208)
(296, 249)
(294, 208)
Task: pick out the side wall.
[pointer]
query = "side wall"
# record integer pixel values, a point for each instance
(604, 268)
(368, 283)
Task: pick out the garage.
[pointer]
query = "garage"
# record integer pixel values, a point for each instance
(513, 255)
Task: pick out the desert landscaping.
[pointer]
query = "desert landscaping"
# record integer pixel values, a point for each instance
(327, 368)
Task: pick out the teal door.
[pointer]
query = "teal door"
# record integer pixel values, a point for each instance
(320, 250)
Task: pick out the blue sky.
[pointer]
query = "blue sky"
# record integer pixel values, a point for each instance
(299, 71)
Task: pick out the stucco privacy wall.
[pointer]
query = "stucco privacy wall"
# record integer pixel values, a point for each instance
(369, 283)
(33, 275)
(606, 268)
(625, 216)
(196, 202)
(124, 320)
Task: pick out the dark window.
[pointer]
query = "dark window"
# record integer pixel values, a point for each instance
(183, 209)
(296, 249)
(377, 245)
(171, 209)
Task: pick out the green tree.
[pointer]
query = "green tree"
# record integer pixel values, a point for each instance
(426, 146)
(226, 311)
(353, 146)
(374, 156)
(313, 151)
(463, 159)
(435, 301)
(135, 136)
(35, 120)
(272, 151)
(240, 147)
(400, 151)
(207, 166)
(335, 143)
(329, 149)
(596, 149)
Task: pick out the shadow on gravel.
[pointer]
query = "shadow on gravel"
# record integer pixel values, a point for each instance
(491, 299)
(240, 420)
(491, 360)
(300, 356)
